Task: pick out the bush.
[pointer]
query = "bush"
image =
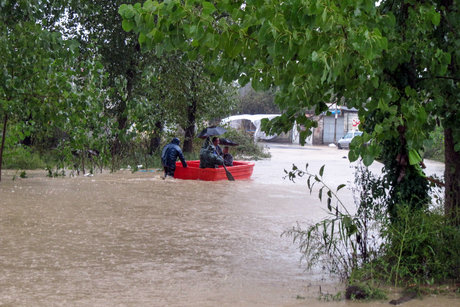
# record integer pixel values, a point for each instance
(22, 157)
(420, 246)
(247, 148)
(423, 246)
(434, 148)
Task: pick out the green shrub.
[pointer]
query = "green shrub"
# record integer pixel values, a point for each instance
(423, 248)
(22, 157)
(420, 246)
(434, 148)
(247, 148)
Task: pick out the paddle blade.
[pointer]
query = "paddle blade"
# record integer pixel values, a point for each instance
(229, 175)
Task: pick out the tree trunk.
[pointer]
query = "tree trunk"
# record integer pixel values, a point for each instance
(122, 117)
(3, 143)
(155, 140)
(452, 178)
(190, 129)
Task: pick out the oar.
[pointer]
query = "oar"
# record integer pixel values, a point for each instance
(229, 175)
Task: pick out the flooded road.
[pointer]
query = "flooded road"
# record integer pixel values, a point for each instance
(133, 239)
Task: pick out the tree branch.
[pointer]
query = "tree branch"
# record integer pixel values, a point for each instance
(441, 77)
(436, 181)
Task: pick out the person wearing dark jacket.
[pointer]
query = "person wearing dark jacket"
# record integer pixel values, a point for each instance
(208, 156)
(217, 149)
(169, 157)
(228, 158)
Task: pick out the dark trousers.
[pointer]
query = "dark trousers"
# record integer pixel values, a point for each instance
(169, 171)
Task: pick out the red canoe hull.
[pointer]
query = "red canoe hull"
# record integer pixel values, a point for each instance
(240, 170)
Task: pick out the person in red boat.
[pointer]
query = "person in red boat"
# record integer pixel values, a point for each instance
(228, 158)
(218, 149)
(209, 157)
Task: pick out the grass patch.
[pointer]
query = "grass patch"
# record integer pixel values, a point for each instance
(21, 157)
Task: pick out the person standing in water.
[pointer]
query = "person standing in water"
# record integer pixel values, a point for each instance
(169, 157)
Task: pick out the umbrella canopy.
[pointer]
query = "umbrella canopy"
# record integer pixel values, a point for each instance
(211, 131)
(227, 142)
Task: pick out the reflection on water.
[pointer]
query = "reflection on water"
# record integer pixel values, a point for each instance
(128, 239)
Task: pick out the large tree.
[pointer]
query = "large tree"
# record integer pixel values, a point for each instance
(395, 57)
(97, 26)
(50, 93)
(141, 91)
(179, 93)
(252, 102)
(36, 73)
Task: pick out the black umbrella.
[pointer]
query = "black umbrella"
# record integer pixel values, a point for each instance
(211, 131)
(227, 142)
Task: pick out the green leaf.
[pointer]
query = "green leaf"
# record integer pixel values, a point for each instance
(149, 21)
(340, 187)
(368, 159)
(234, 51)
(149, 5)
(436, 18)
(314, 56)
(127, 25)
(208, 8)
(353, 155)
(156, 35)
(321, 171)
(126, 11)
(142, 38)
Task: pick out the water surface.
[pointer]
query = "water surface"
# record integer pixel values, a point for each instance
(133, 239)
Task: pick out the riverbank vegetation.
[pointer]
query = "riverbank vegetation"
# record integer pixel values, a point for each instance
(365, 247)
(63, 161)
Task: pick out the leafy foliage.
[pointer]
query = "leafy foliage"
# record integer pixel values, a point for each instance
(247, 148)
(90, 87)
(43, 58)
(422, 248)
(434, 147)
(252, 102)
(396, 61)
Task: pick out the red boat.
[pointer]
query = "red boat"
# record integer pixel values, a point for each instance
(240, 170)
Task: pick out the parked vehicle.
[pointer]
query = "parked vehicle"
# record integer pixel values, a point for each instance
(345, 141)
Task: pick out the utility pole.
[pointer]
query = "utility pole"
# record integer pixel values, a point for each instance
(335, 125)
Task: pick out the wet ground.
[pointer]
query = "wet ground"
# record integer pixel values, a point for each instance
(133, 239)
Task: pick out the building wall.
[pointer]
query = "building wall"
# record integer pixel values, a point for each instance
(317, 138)
(351, 121)
(345, 121)
(330, 126)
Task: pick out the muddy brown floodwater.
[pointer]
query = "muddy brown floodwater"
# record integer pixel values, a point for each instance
(133, 239)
